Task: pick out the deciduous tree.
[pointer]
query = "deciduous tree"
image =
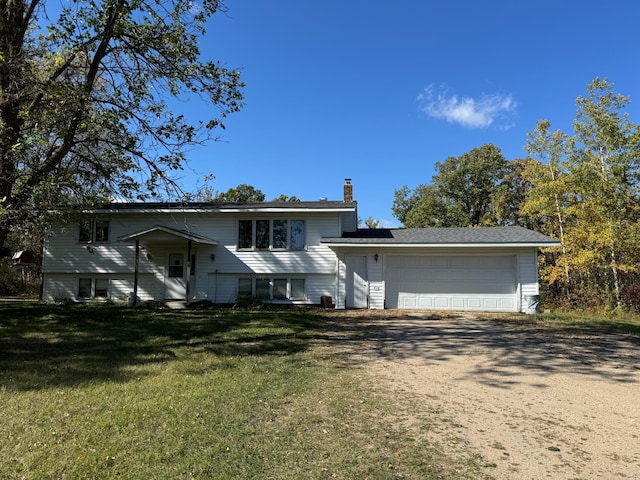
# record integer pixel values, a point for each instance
(585, 192)
(462, 193)
(241, 193)
(84, 100)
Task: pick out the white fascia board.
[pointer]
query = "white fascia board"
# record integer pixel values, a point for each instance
(439, 245)
(217, 210)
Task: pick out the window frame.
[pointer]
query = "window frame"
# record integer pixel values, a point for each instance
(251, 234)
(82, 289)
(269, 294)
(276, 290)
(94, 230)
(280, 230)
(242, 235)
(303, 245)
(93, 288)
(263, 234)
(173, 269)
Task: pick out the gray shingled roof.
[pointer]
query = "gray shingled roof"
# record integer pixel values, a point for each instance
(442, 236)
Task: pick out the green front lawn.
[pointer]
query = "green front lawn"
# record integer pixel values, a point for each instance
(105, 392)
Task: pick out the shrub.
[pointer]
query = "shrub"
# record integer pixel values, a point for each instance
(14, 281)
(631, 296)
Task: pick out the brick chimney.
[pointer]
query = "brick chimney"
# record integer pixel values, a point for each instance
(348, 191)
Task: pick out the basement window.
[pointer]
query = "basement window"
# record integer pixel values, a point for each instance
(272, 289)
(93, 288)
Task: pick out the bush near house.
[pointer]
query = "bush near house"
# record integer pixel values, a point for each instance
(19, 281)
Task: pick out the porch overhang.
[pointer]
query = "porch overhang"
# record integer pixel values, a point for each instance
(161, 234)
(157, 235)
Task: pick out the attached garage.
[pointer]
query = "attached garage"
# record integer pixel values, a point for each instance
(446, 282)
(466, 269)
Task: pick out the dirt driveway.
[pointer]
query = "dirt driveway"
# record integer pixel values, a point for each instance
(533, 401)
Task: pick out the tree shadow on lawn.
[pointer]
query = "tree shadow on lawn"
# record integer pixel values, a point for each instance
(46, 346)
(501, 352)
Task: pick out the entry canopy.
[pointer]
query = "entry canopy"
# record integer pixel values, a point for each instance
(162, 234)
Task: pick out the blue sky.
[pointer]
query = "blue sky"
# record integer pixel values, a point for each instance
(379, 91)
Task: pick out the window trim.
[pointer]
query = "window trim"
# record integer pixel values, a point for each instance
(289, 224)
(270, 280)
(95, 230)
(251, 234)
(92, 288)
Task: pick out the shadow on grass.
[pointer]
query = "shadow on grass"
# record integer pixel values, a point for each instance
(45, 346)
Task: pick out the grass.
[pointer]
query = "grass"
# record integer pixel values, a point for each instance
(614, 322)
(105, 392)
(617, 322)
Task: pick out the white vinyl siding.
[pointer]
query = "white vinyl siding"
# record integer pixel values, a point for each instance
(418, 277)
(58, 287)
(218, 267)
(376, 282)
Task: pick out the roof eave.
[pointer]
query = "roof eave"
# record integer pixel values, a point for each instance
(176, 233)
(104, 211)
(440, 245)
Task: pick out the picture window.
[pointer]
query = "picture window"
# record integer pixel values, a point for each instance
(277, 234)
(272, 289)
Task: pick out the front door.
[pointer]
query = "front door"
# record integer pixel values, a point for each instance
(175, 282)
(357, 284)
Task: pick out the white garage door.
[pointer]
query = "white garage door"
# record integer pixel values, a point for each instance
(451, 282)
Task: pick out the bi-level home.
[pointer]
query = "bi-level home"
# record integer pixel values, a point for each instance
(286, 252)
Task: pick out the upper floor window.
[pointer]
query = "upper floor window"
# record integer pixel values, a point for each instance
(245, 233)
(271, 234)
(94, 231)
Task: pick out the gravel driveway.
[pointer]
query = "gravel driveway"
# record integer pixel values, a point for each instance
(533, 401)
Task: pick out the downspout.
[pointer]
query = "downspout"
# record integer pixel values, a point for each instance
(188, 271)
(135, 274)
(42, 267)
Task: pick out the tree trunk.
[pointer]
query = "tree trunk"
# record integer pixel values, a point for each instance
(4, 233)
(14, 16)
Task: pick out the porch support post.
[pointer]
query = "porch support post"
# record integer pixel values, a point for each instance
(188, 271)
(135, 274)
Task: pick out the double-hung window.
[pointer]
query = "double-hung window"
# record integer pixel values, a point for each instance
(93, 287)
(278, 234)
(93, 231)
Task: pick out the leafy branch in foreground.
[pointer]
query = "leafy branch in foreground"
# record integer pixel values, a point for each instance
(84, 92)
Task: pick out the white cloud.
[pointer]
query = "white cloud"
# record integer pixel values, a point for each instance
(467, 111)
(386, 223)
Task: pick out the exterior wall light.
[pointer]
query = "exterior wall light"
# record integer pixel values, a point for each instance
(376, 256)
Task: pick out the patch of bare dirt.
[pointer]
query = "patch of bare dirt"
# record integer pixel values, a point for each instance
(534, 402)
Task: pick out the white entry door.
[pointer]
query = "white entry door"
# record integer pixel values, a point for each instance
(357, 283)
(175, 282)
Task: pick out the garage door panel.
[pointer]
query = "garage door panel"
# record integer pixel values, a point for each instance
(451, 283)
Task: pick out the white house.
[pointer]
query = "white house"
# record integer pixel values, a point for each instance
(287, 252)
